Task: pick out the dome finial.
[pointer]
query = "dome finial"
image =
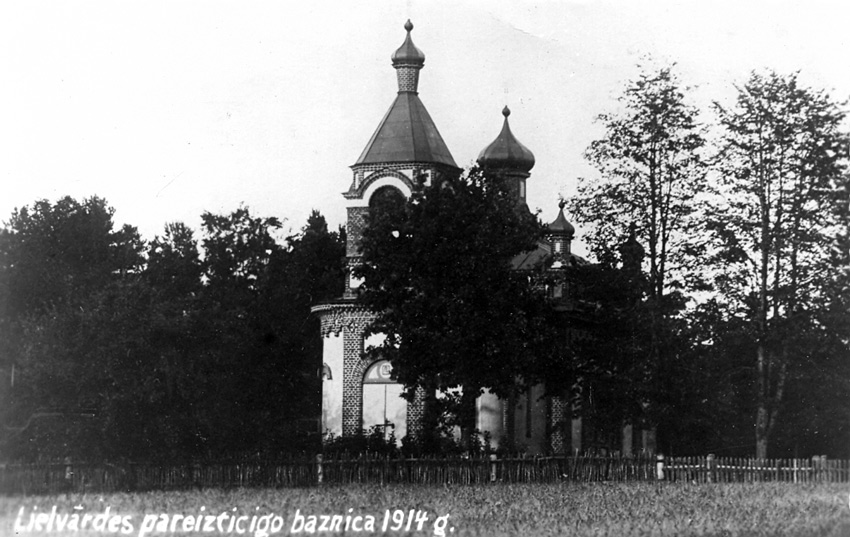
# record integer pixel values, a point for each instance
(407, 61)
(562, 203)
(506, 111)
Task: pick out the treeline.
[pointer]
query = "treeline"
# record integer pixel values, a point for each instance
(116, 348)
(742, 213)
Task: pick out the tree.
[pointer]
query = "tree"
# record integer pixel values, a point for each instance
(57, 253)
(173, 261)
(781, 164)
(651, 174)
(175, 357)
(608, 354)
(55, 258)
(651, 170)
(310, 269)
(438, 273)
(256, 312)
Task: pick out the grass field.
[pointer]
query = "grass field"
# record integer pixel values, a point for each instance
(563, 509)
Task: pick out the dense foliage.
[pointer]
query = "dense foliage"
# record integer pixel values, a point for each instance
(122, 349)
(746, 260)
(439, 271)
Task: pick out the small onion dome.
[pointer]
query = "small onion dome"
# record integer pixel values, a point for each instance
(561, 226)
(631, 251)
(506, 152)
(407, 53)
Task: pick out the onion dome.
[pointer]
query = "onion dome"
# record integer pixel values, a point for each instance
(407, 52)
(631, 251)
(506, 153)
(408, 60)
(561, 226)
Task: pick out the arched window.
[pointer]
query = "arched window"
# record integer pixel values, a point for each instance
(383, 405)
(386, 198)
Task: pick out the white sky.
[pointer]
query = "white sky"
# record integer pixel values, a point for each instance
(171, 108)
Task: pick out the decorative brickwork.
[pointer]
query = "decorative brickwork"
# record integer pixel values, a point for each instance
(416, 412)
(342, 316)
(352, 384)
(557, 409)
(354, 229)
(508, 424)
(366, 169)
(362, 173)
(408, 77)
(351, 263)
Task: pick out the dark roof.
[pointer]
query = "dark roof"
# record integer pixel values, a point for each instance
(406, 134)
(561, 226)
(505, 152)
(532, 258)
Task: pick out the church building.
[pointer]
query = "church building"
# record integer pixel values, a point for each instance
(359, 394)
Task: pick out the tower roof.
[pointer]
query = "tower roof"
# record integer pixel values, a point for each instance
(505, 152)
(407, 133)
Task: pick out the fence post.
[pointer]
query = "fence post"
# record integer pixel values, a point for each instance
(492, 468)
(711, 466)
(319, 474)
(659, 467)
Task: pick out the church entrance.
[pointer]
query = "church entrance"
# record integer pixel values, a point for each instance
(383, 405)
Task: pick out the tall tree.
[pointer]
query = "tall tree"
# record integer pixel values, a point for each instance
(651, 174)
(311, 269)
(256, 311)
(781, 164)
(438, 273)
(56, 257)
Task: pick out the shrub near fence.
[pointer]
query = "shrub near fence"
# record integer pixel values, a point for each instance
(62, 477)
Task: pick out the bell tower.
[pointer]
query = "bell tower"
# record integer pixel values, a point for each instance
(405, 149)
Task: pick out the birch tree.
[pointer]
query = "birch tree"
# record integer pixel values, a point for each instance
(781, 163)
(651, 174)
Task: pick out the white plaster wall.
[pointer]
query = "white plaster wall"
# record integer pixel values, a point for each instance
(332, 354)
(489, 417)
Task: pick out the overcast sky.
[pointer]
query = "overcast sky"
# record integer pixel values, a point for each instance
(171, 108)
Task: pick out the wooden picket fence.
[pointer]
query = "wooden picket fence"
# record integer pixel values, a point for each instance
(725, 470)
(64, 477)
